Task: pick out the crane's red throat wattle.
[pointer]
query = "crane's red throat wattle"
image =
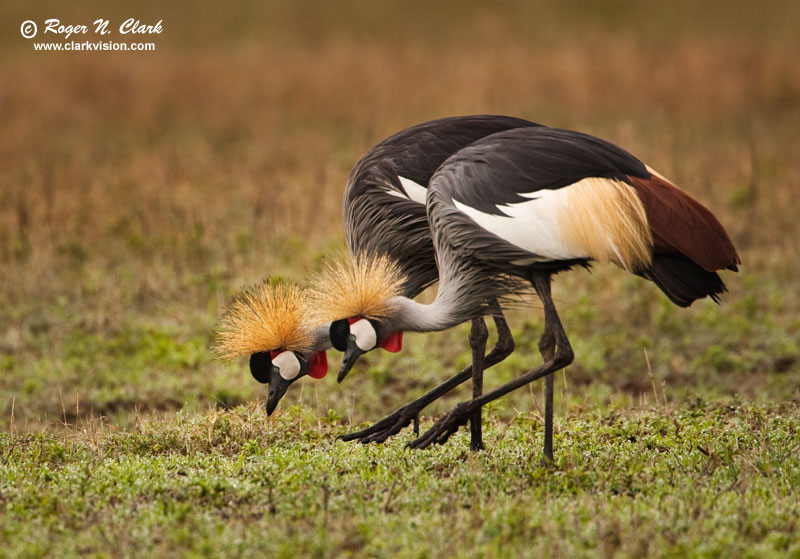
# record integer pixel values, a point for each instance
(394, 342)
(319, 365)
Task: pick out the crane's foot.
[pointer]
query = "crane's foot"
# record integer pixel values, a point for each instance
(388, 426)
(446, 426)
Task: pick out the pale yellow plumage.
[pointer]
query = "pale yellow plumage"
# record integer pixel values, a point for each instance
(607, 221)
(263, 318)
(361, 286)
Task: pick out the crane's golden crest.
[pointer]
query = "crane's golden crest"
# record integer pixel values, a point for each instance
(262, 318)
(361, 286)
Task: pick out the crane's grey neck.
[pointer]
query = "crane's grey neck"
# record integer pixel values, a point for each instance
(466, 288)
(321, 338)
(410, 316)
(447, 310)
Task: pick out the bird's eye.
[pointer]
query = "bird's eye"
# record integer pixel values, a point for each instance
(365, 336)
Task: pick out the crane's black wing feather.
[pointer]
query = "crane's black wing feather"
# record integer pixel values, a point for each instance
(499, 169)
(416, 152)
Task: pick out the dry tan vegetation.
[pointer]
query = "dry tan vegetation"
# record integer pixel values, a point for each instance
(143, 189)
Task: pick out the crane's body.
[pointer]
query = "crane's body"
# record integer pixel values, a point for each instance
(541, 200)
(523, 204)
(538, 200)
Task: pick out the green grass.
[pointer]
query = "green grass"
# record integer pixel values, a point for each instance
(705, 480)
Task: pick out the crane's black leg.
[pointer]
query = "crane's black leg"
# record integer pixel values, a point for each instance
(397, 421)
(549, 389)
(562, 357)
(547, 348)
(477, 342)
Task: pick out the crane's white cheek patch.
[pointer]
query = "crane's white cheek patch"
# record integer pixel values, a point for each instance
(366, 338)
(287, 364)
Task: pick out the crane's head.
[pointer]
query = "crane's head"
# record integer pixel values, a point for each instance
(355, 296)
(280, 368)
(269, 323)
(357, 335)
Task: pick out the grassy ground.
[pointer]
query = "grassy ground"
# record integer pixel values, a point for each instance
(705, 480)
(140, 191)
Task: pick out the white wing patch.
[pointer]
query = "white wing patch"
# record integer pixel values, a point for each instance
(597, 218)
(396, 193)
(414, 191)
(530, 225)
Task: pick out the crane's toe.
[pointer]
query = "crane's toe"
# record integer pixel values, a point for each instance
(387, 427)
(445, 426)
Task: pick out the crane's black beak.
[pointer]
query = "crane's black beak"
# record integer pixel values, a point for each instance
(277, 388)
(351, 355)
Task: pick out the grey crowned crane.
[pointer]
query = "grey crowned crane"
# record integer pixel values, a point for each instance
(385, 217)
(513, 208)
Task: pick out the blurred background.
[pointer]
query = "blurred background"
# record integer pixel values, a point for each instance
(140, 190)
